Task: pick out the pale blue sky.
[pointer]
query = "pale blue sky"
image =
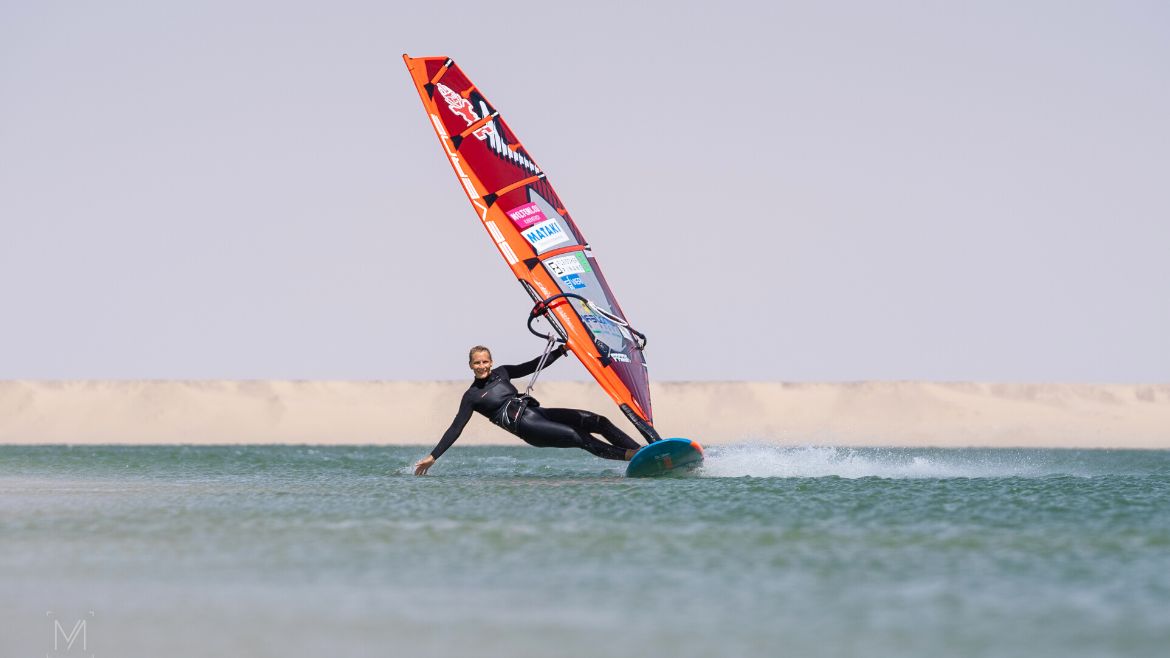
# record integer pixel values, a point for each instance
(776, 191)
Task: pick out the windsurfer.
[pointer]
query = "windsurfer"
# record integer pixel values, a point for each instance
(492, 394)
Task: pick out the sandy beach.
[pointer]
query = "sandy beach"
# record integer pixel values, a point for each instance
(908, 414)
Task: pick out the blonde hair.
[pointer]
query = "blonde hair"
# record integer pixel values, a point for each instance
(478, 348)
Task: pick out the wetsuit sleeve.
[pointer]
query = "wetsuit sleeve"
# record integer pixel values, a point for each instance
(529, 367)
(455, 429)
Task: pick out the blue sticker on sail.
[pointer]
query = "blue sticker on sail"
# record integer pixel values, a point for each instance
(573, 282)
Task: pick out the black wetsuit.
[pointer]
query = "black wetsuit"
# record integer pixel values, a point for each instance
(495, 397)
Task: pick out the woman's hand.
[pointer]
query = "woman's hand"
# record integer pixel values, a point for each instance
(423, 465)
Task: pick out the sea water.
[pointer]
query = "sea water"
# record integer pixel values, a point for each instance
(290, 551)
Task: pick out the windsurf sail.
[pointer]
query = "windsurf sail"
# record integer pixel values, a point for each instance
(535, 235)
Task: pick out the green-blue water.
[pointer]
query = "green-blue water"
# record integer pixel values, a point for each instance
(312, 551)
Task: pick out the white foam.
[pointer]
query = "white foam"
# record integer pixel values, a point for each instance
(821, 461)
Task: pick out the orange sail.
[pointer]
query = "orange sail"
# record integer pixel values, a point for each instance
(535, 234)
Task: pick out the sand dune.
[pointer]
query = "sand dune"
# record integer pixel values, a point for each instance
(864, 413)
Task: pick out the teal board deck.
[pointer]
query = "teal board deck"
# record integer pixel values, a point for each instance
(665, 456)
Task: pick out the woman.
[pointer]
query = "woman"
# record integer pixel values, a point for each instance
(492, 394)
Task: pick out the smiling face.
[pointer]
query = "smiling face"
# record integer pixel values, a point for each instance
(481, 363)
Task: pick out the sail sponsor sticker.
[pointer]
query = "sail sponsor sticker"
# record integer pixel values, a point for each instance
(545, 235)
(568, 269)
(573, 263)
(526, 216)
(609, 333)
(573, 282)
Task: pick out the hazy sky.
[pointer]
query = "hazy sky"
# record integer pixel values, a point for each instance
(776, 191)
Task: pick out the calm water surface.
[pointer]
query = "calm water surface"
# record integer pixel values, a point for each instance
(312, 551)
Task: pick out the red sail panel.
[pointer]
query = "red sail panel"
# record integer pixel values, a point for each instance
(533, 232)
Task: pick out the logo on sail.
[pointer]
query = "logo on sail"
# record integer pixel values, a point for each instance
(568, 269)
(544, 235)
(526, 216)
(463, 108)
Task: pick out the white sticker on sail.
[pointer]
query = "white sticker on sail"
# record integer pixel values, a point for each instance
(545, 235)
(565, 265)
